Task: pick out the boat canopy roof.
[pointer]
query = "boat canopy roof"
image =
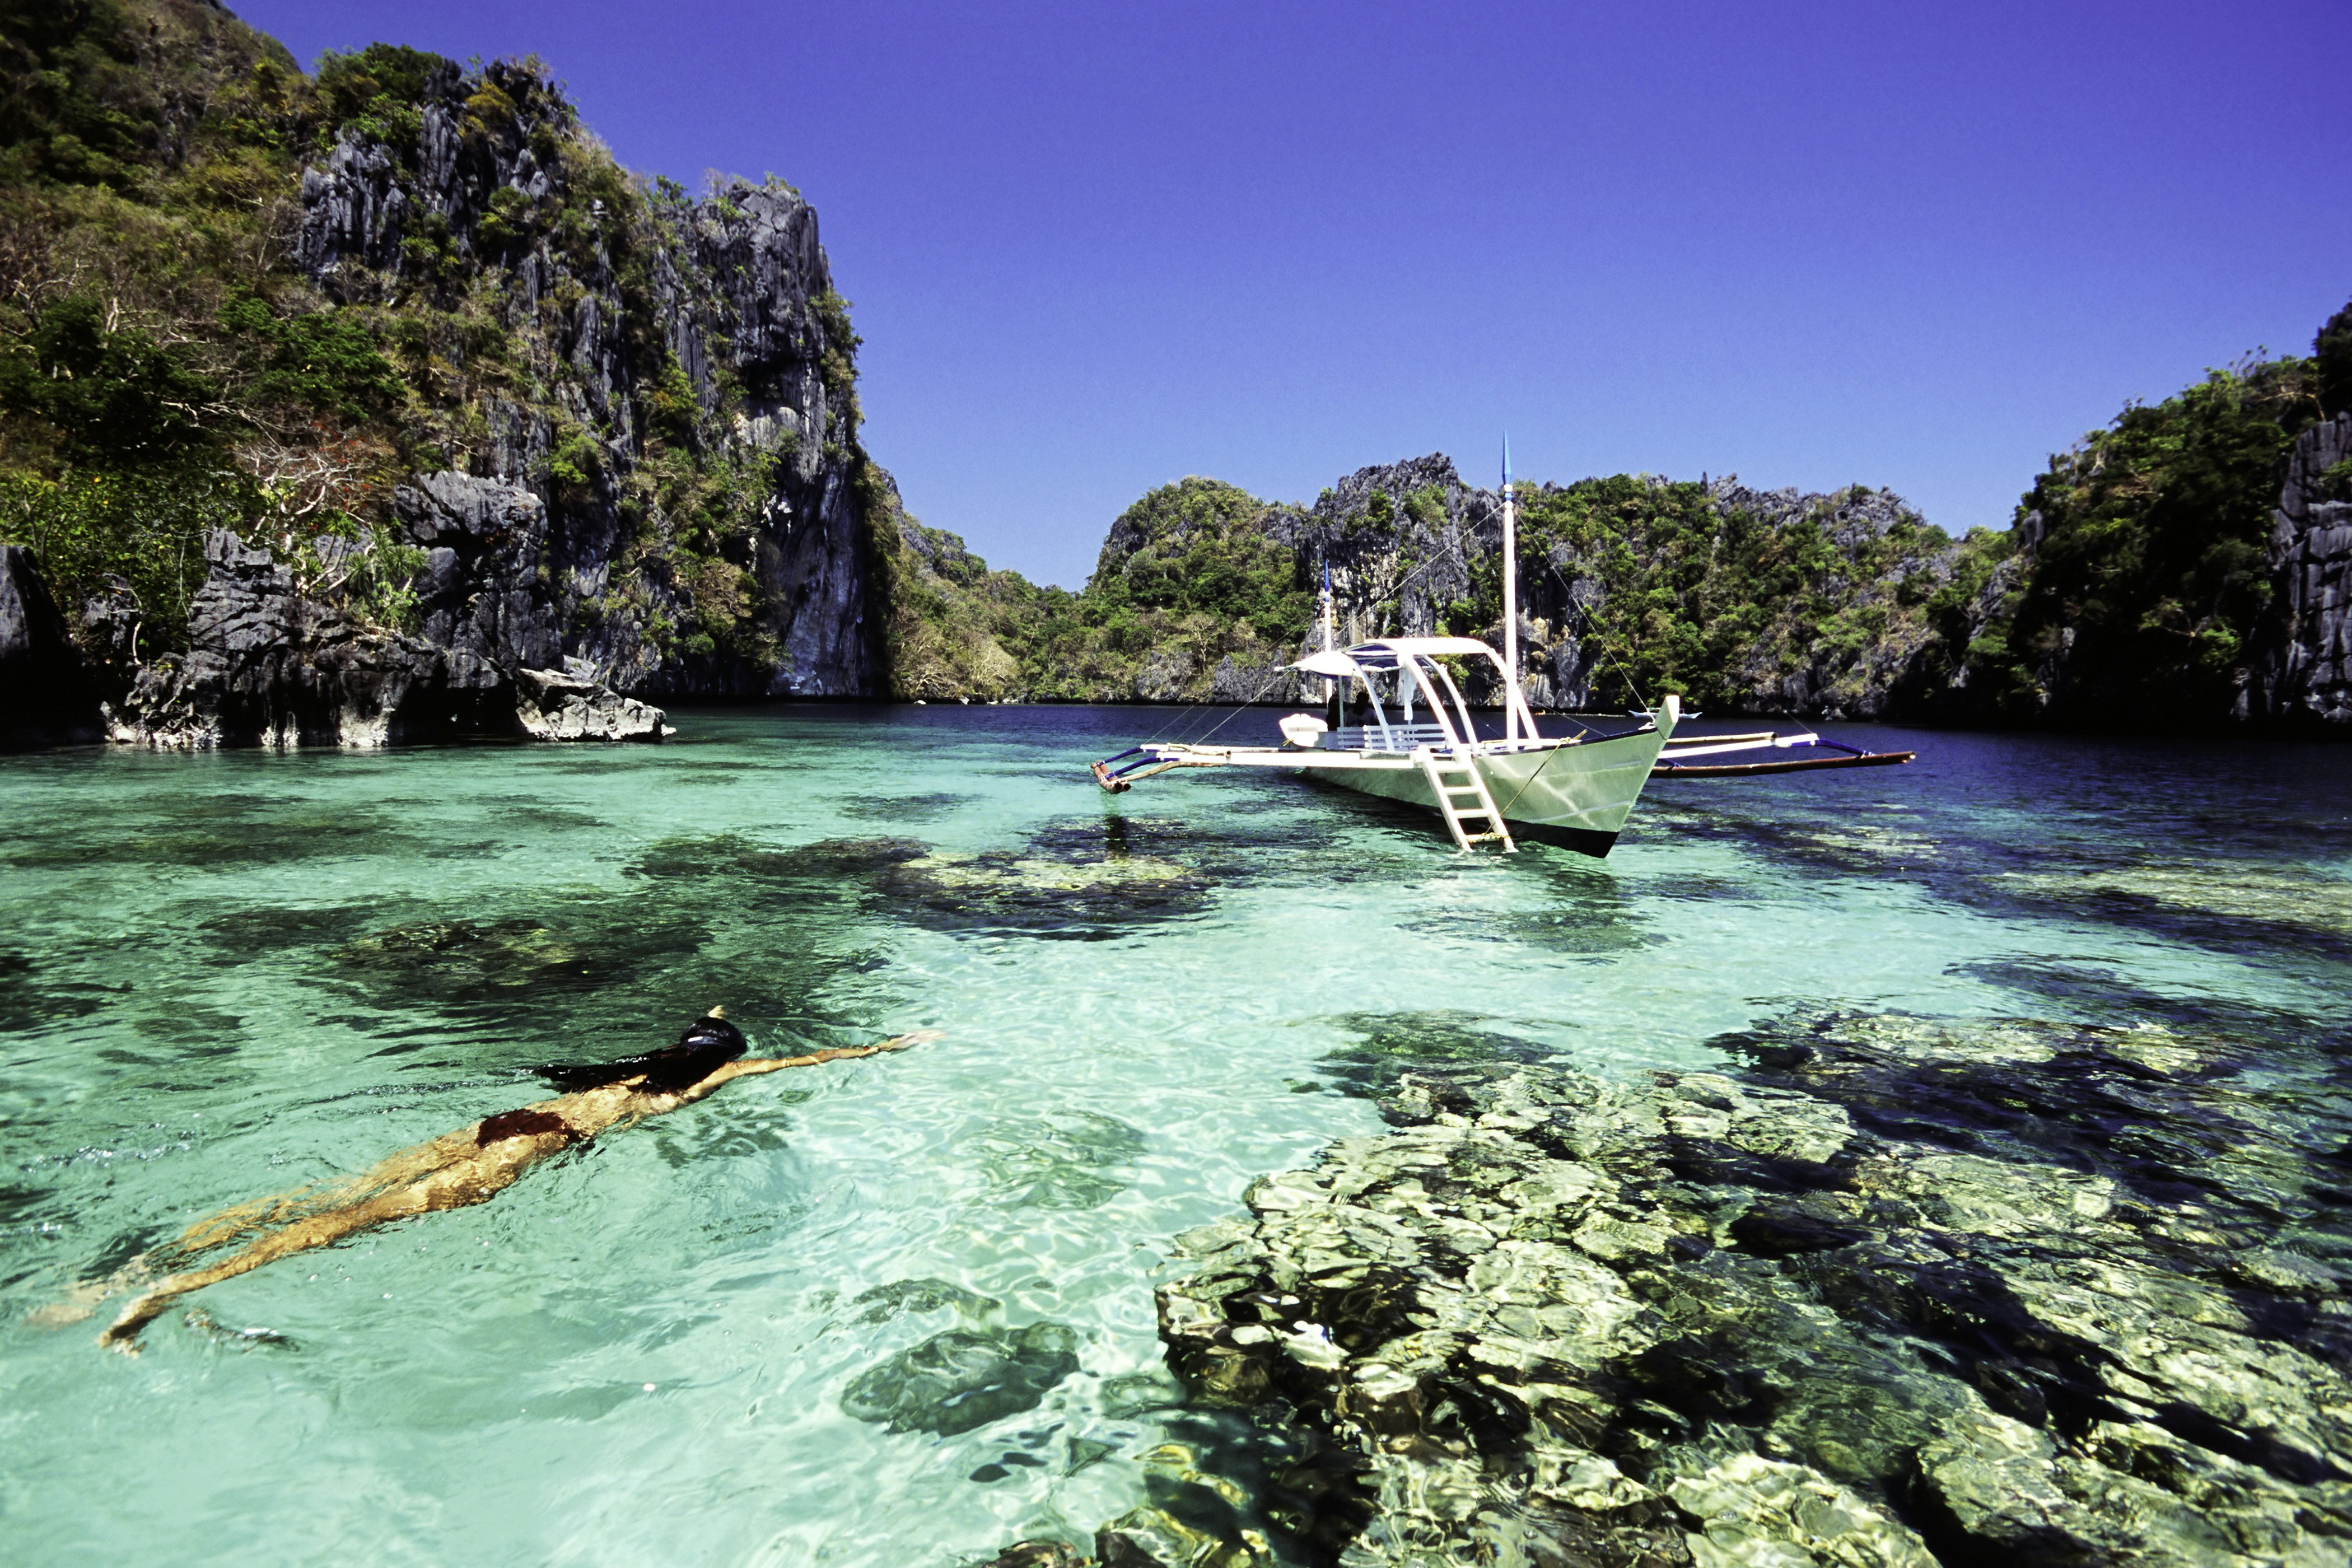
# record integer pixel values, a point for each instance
(1340, 663)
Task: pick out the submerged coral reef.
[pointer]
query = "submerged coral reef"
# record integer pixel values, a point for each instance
(1891, 1291)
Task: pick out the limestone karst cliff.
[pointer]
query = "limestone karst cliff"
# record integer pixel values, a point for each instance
(2302, 672)
(1764, 602)
(403, 330)
(651, 471)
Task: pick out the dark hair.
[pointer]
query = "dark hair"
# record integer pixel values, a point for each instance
(708, 1043)
(712, 1033)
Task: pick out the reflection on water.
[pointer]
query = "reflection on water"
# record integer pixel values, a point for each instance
(899, 1310)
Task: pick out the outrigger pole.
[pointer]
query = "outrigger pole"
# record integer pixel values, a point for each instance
(1510, 600)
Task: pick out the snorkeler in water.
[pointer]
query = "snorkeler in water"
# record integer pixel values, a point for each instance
(464, 1167)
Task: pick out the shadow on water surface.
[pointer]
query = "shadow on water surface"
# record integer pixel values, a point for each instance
(533, 961)
(1586, 911)
(1389, 1043)
(1064, 1159)
(1073, 880)
(912, 809)
(1096, 879)
(233, 839)
(30, 1002)
(713, 919)
(2103, 995)
(2171, 862)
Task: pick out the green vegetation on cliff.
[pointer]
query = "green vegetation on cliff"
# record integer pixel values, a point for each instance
(139, 156)
(948, 622)
(1189, 580)
(1725, 596)
(2147, 558)
(161, 373)
(1199, 547)
(2332, 362)
(2129, 593)
(169, 365)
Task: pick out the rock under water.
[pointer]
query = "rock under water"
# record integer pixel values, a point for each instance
(963, 1378)
(1898, 1291)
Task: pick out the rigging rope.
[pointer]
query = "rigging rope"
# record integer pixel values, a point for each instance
(1182, 714)
(1446, 547)
(1584, 613)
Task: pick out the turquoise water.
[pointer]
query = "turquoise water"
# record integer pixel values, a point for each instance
(225, 976)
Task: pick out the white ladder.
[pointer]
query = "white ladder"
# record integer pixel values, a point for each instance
(1468, 784)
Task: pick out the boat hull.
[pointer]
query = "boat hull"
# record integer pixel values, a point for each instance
(1574, 796)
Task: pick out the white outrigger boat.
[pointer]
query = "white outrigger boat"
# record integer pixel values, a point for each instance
(1573, 790)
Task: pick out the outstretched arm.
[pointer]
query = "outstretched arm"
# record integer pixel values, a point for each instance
(757, 1065)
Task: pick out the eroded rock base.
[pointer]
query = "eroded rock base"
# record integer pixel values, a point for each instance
(269, 666)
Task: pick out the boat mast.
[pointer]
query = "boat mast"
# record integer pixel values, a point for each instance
(1330, 638)
(1510, 603)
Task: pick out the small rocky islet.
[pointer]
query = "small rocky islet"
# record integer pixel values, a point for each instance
(1885, 1292)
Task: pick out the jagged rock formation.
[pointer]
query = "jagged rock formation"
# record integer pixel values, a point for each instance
(2157, 578)
(2302, 664)
(468, 380)
(685, 382)
(46, 694)
(1897, 1291)
(1847, 604)
(464, 378)
(268, 666)
(557, 705)
(1796, 604)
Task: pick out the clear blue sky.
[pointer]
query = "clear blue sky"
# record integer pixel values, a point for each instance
(1095, 248)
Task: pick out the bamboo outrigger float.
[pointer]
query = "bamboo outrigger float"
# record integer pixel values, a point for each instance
(1574, 790)
(1703, 756)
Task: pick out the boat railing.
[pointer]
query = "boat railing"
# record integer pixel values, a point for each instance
(1386, 737)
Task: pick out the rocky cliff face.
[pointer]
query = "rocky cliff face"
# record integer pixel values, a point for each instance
(2302, 671)
(658, 342)
(46, 694)
(1845, 605)
(627, 448)
(268, 666)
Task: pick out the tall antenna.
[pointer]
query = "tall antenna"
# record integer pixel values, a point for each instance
(1510, 599)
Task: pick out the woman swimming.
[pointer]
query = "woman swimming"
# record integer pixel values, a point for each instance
(464, 1167)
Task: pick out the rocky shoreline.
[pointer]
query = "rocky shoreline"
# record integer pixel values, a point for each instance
(268, 666)
(1886, 1293)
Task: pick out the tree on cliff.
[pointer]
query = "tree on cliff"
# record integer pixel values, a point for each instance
(2332, 352)
(2147, 569)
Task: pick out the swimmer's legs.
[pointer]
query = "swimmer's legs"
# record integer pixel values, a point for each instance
(451, 1172)
(303, 1235)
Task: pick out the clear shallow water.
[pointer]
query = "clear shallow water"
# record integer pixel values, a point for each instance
(225, 976)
